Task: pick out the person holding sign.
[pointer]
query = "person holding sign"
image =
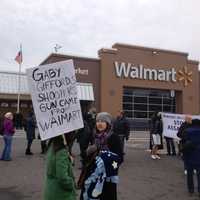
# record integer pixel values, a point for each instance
(191, 152)
(59, 182)
(156, 137)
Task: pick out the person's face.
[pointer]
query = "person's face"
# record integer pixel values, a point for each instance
(101, 125)
(10, 117)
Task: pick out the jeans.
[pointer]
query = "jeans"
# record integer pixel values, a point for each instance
(190, 181)
(7, 147)
(170, 146)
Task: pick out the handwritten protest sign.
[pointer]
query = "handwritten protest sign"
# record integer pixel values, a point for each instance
(55, 100)
(172, 122)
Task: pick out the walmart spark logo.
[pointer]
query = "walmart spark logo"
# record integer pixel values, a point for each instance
(185, 76)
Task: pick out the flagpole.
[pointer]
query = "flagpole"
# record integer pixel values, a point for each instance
(19, 84)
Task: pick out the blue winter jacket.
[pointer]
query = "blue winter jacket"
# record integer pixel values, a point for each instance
(192, 145)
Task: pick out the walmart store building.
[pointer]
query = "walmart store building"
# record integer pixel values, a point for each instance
(137, 79)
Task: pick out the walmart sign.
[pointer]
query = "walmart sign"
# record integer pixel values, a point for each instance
(128, 70)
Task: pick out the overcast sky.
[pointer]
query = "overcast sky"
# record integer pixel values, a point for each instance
(82, 27)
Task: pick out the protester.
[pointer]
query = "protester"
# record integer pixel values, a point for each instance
(99, 178)
(121, 127)
(152, 129)
(171, 150)
(181, 135)
(84, 138)
(29, 127)
(191, 152)
(59, 182)
(8, 132)
(18, 120)
(91, 118)
(72, 137)
(104, 131)
(156, 137)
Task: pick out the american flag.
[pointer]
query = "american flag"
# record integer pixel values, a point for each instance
(18, 58)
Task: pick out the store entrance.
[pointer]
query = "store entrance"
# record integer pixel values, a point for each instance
(139, 104)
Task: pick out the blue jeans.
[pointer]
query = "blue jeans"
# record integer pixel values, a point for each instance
(7, 147)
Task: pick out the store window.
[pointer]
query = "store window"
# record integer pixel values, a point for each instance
(4, 105)
(13, 105)
(24, 105)
(142, 103)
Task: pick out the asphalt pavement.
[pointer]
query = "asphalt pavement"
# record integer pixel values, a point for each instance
(141, 178)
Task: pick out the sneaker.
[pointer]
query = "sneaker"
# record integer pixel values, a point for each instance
(157, 157)
(28, 153)
(153, 157)
(185, 172)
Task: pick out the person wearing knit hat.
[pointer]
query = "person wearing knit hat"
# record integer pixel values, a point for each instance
(101, 175)
(105, 117)
(103, 130)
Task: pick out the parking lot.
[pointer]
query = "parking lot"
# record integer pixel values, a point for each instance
(141, 178)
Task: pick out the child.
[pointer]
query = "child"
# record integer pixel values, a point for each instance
(102, 175)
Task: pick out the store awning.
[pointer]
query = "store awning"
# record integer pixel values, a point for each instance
(85, 91)
(9, 85)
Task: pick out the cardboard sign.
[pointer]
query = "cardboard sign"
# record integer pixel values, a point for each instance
(55, 100)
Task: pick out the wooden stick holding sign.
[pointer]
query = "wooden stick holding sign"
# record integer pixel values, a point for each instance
(64, 139)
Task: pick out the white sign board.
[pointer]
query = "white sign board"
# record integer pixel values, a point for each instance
(172, 122)
(53, 90)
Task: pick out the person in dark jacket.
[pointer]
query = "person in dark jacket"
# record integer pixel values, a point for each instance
(90, 117)
(191, 152)
(152, 128)
(181, 135)
(104, 131)
(101, 178)
(84, 138)
(18, 120)
(171, 150)
(156, 137)
(29, 127)
(121, 127)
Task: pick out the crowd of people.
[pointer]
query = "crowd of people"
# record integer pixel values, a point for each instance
(188, 147)
(101, 143)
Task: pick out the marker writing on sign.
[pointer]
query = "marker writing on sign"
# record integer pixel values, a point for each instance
(60, 119)
(46, 75)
